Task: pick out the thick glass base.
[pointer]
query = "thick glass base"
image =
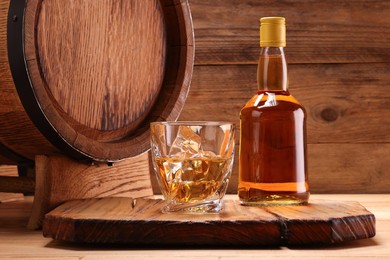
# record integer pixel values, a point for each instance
(276, 200)
(213, 206)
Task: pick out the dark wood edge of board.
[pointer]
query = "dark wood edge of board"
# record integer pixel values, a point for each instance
(149, 227)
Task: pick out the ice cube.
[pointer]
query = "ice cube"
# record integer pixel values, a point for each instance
(186, 141)
(208, 154)
(172, 170)
(194, 169)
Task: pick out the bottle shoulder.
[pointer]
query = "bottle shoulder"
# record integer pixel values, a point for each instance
(273, 100)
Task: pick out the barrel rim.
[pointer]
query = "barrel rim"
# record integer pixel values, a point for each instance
(24, 84)
(21, 78)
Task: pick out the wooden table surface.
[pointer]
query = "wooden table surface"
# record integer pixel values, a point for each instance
(17, 242)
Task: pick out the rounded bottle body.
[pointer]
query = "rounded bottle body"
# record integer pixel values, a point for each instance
(272, 164)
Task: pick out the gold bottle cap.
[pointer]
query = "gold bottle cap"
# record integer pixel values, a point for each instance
(272, 32)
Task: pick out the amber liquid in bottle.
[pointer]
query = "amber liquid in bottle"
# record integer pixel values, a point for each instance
(272, 162)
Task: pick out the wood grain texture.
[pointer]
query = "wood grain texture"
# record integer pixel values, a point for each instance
(17, 242)
(338, 69)
(12, 114)
(358, 31)
(100, 73)
(121, 65)
(140, 222)
(6, 172)
(348, 127)
(59, 179)
(17, 184)
(349, 168)
(348, 130)
(345, 103)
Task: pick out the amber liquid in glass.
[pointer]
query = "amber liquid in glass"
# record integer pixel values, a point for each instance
(191, 179)
(272, 163)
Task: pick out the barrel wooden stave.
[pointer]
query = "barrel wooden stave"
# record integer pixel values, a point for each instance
(86, 132)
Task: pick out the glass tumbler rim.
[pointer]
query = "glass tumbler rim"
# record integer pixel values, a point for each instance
(192, 123)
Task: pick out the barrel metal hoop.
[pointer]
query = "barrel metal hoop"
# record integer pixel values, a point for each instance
(21, 78)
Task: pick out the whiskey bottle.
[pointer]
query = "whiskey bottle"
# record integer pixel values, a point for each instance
(272, 156)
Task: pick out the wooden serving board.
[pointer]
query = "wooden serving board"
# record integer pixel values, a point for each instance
(140, 222)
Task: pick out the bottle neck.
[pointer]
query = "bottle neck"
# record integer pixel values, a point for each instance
(272, 69)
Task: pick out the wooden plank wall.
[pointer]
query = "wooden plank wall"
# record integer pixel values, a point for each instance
(338, 53)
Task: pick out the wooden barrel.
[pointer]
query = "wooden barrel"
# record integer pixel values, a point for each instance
(85, 78)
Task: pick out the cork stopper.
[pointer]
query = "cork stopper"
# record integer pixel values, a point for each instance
(272, 32)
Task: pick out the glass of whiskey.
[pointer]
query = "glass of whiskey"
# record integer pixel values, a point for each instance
(193, 163)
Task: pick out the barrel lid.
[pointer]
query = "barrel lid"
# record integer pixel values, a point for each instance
(101, 71)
